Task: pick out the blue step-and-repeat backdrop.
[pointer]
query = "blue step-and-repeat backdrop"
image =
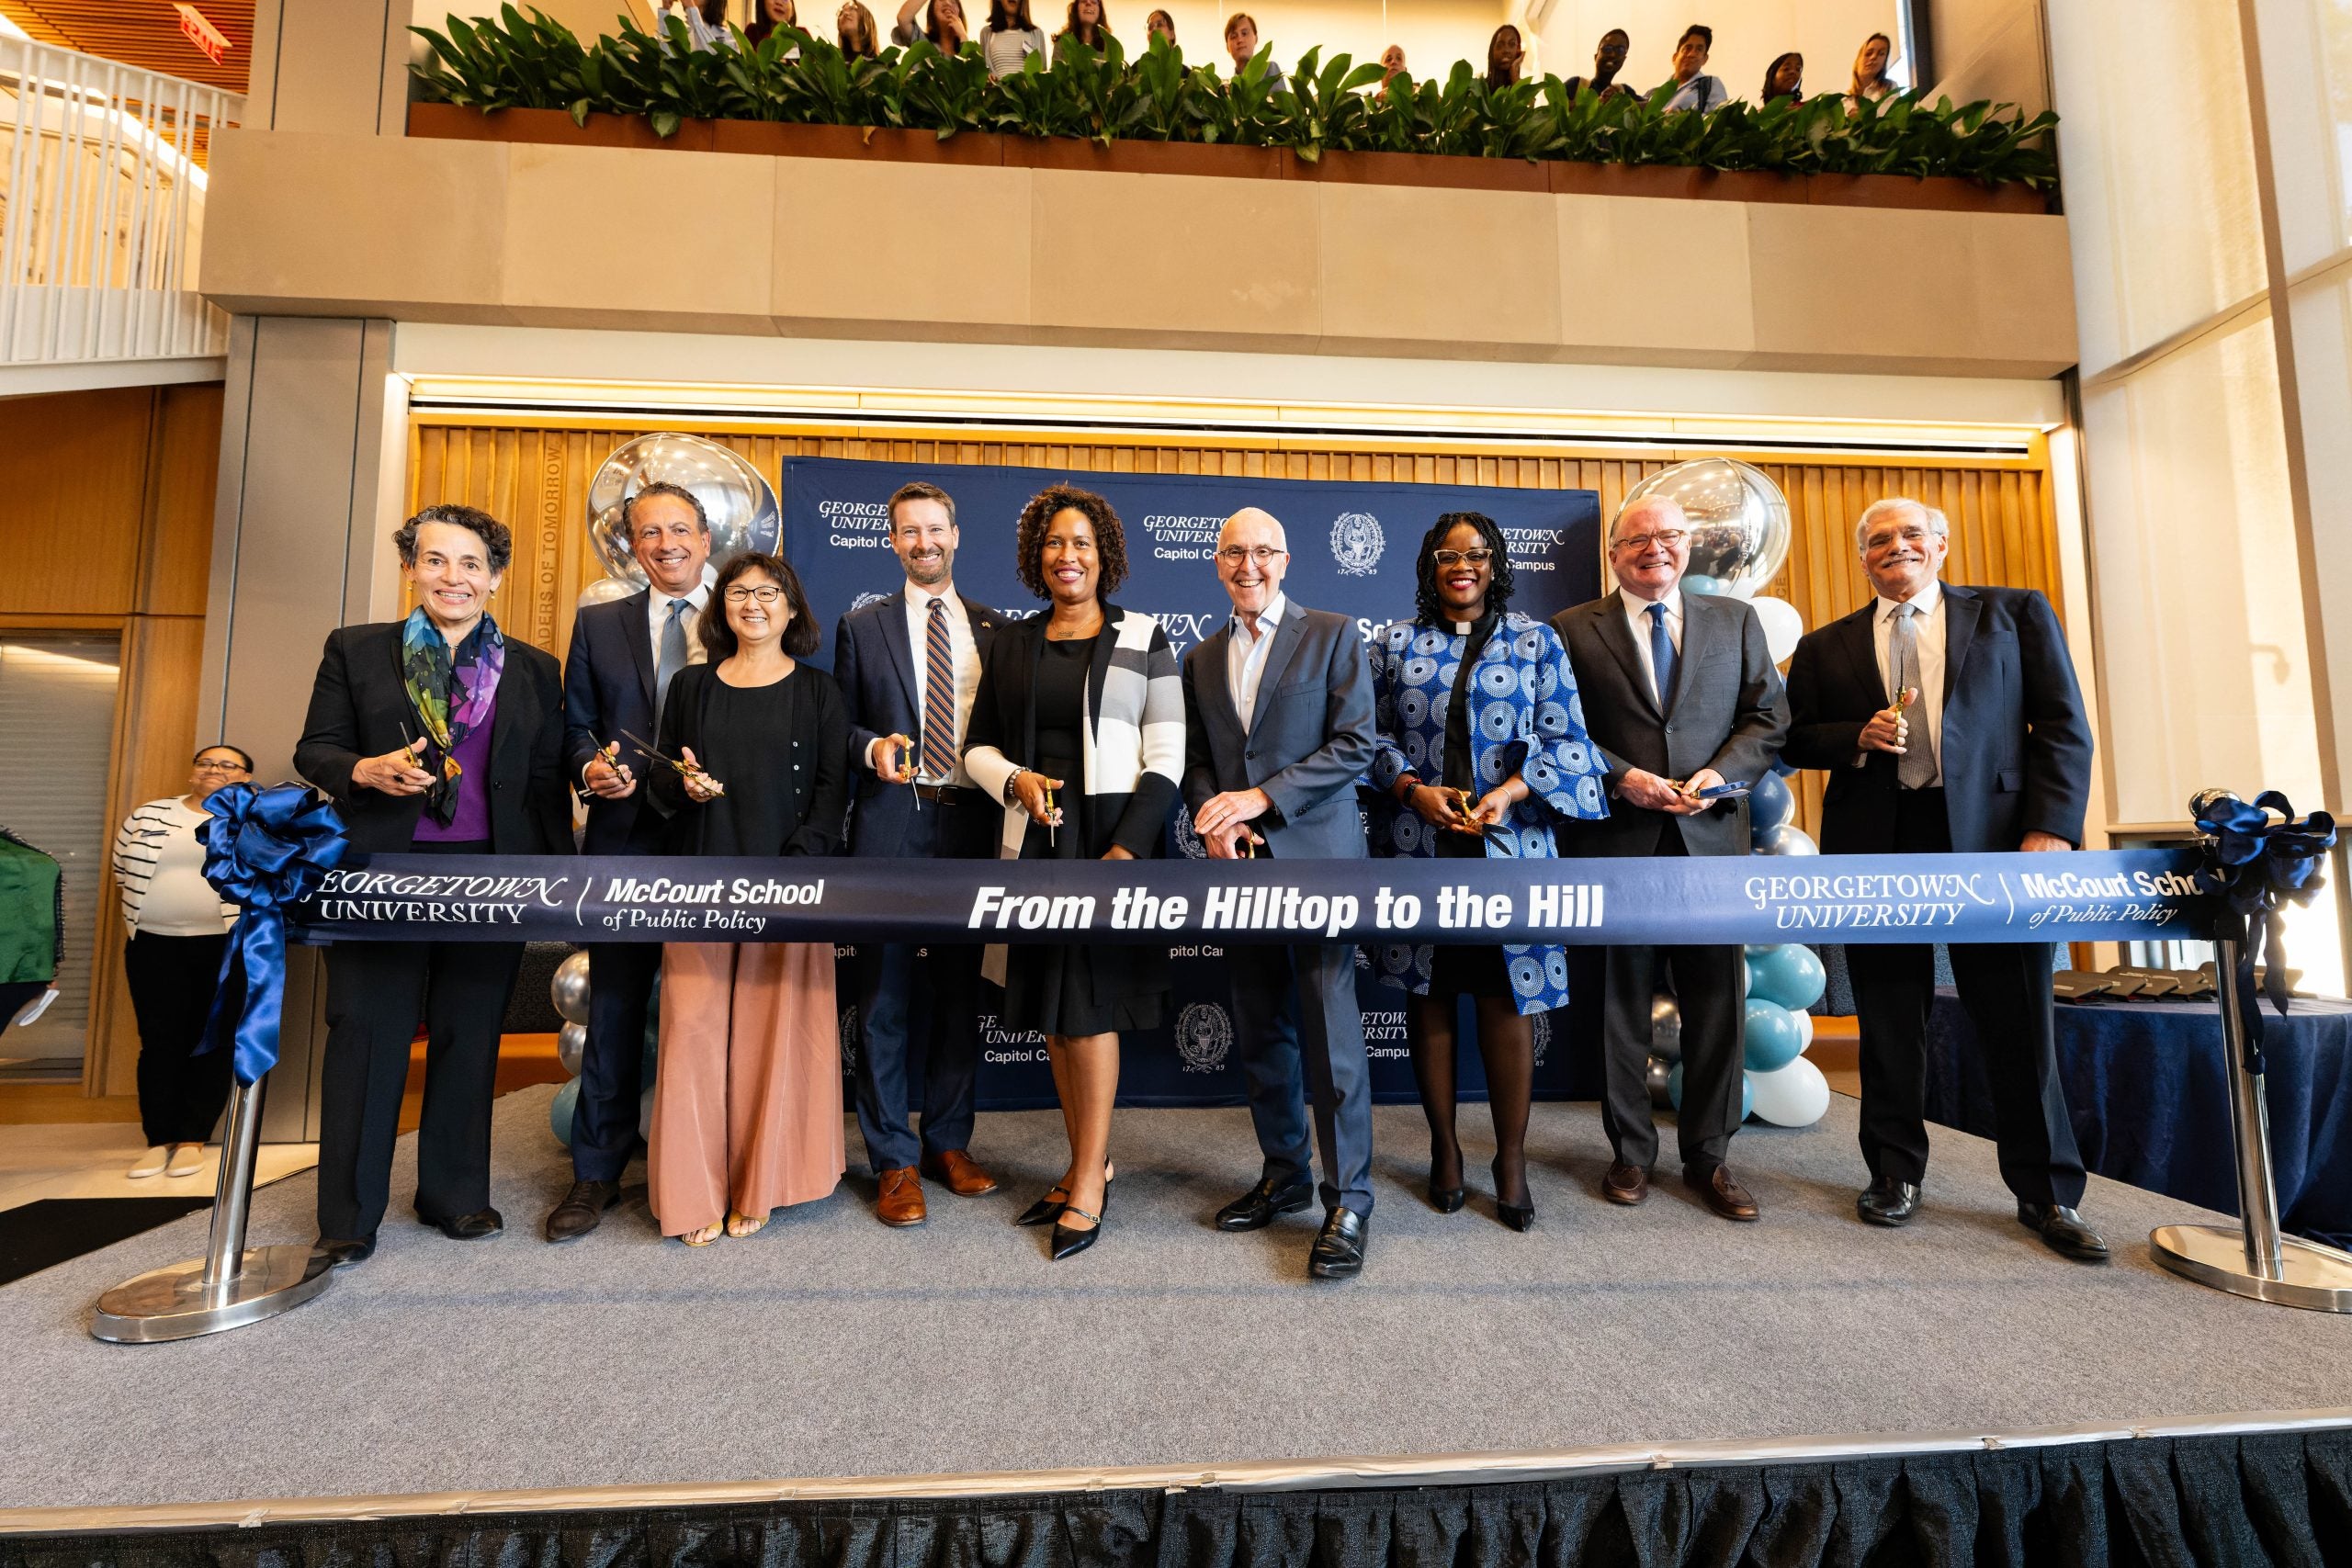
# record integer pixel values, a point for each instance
(1352, 550)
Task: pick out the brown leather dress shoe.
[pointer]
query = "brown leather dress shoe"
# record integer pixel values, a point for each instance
(1721, 1191)
(958, 1172)
(901, 1202)
(1627, 1184)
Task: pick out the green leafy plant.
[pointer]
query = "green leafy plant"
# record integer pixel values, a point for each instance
(525, 59)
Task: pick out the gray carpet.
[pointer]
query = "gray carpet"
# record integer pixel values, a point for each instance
(830, 1346)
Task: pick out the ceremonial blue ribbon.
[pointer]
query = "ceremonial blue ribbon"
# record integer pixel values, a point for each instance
(2260, 868)
(264, 850)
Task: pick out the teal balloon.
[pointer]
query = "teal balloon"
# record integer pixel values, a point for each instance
(1769, 802)
(1770, 1038)
(559, 1111)
(1674, 1087)
(1746, 1092)
(1790, 975)
(1700, 583)
(1747, 1097)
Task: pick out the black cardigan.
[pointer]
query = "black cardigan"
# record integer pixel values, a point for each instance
(818, 724)
(359, 707)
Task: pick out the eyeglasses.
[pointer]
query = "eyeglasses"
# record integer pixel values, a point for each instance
(1664, 538)
(1461, 557)
(1264, 555)
(220, 767)
(767, 595)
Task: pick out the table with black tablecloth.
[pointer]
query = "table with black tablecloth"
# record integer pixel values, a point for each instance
(2147, 1086)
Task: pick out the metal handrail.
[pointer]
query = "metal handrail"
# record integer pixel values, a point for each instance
(101, 215)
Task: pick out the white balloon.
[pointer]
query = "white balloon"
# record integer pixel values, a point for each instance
(1782, 627)
(1793, 1096)
(1804, 1029)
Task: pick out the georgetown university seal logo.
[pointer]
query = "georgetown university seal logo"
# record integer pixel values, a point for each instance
(863, 600)
(1188, 838)
(1204, 1036)
(849, 1040)
(1356, 543)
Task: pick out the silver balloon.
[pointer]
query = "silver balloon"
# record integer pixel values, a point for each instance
(603, 591)
(569, 989)
(1666, 1028)
(1660, 1074)
(1788, 839)
(1739, 523)
(735, 496)
(570, 1044)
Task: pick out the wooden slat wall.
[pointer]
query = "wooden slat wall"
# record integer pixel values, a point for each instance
(535, 479)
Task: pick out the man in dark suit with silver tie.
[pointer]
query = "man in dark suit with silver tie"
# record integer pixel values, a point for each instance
(623, 656)
(1680, 696)
(909, 667)
(1949, 720)
(1278, 724)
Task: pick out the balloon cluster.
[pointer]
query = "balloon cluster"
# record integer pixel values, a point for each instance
(735, 496)
(569, 991)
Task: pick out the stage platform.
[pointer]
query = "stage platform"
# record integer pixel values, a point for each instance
(829, 1347)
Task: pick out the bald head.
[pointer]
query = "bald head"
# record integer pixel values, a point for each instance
(1647, 515)
(1251, 557)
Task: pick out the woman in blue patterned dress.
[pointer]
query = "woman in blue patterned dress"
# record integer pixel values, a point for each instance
(1473, 697)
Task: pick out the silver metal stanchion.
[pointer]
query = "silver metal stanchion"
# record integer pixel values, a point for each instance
(231, 1284)
(2254, 1260)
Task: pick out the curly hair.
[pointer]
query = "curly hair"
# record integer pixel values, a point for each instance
(1430, 611)
(801, 636)
(1110, 542)
(497, 544)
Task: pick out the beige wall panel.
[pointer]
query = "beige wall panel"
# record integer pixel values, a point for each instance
(1410, 268)
(635, 239)
(1935, 290)
(958, 252)
(1991, 49)
(299, 223)
(73, 471)
(1164, 259)
(1649, 277)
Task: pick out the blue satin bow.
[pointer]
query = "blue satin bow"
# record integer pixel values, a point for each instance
(264, 850)
(2261, 867)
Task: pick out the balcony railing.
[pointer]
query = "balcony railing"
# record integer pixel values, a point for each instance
(102, 209)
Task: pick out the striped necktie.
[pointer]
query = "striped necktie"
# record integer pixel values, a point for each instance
(938, 698)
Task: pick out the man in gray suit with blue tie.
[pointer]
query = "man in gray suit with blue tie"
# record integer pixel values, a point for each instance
(1277, 726)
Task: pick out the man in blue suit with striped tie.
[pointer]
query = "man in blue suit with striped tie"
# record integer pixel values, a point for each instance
(909, 667)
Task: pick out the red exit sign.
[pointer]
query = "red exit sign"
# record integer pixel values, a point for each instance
(202, 34)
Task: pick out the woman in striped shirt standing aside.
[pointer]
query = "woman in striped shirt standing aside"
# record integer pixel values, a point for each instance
(178, 928)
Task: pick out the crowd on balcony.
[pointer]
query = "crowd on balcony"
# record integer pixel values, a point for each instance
(1010, 34)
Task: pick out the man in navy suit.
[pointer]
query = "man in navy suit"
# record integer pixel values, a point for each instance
(909, 667)
(1949, 720)
(1278, 724)
(623, 654)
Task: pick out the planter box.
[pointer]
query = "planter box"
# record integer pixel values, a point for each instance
(1430, 171)
(450, 122)
(1123, 157)
(768, 139)
(1425, 169)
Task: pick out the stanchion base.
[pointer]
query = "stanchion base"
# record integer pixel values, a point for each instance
(174, 1303)
(2311, 1275)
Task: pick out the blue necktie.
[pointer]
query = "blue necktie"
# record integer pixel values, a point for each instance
(673, 655)
(1661, 656)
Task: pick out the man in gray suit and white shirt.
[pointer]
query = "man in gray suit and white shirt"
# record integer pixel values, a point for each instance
(1680, 697)
(1277, 726)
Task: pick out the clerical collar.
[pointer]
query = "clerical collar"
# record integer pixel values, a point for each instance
(1464, 628)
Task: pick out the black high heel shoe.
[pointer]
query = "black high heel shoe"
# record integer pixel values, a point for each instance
(1068, 1243)
(1045, 1208)
(1518, 1216)
(1445, 1200)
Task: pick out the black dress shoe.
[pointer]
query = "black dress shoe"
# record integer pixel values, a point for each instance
(1338, 1253)
(481, 1222)
(343, 1254)
(1447, 1199)
(1257, 1208)
(1050, 1207)
(583, 1209)
(1518, 1216)
(1887, 1201)
(2063, 1231)
(1068, 1243)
